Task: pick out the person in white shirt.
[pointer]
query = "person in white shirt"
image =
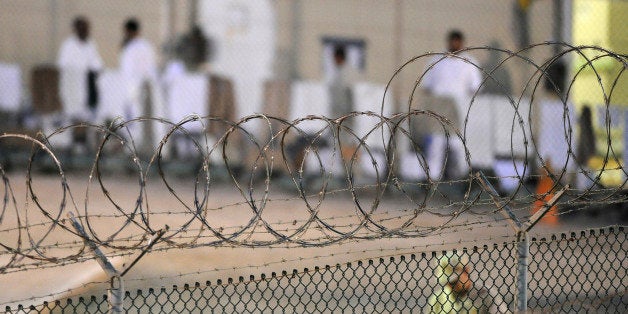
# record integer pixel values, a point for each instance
(138, 66)
(78, 63)
(455, 76)
(340, 85)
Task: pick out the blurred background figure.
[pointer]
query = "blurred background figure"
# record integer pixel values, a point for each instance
(188, 54)
(342, 98)
(454, 76)
(458, 293)
(79, 63)
(138, 65)
(586, 148)
(139, 69)
(555, 138)
(194, 48)
(340, 84)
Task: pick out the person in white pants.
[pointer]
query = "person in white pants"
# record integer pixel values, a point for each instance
(78, 63)
(78, 56)
(138, 66)
(454, 75)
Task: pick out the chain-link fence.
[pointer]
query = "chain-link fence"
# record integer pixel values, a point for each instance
(569, 273)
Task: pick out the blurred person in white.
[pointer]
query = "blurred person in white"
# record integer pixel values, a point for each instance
(139, 69)
(340, 84)
(341, 97)
(555, 127)
(456, 76)
(457, 291)
(79, 63)
(138, 65)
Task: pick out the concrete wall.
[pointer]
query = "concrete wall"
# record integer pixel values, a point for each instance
(394, 31)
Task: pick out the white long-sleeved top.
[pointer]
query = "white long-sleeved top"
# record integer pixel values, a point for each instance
(340, 93)
(138, 60)
(453, 77)
(138, 64)
(75, 59)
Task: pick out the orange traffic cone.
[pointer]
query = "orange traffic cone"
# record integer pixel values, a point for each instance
(544, 191)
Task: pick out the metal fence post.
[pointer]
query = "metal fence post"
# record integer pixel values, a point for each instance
(115, 295)
(523, 250)
(116, 292)
(523, 244)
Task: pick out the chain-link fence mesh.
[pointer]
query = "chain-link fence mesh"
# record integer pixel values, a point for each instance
(579, 272)
(576, 272)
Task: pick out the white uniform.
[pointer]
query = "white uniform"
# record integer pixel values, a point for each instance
(554, 141)
(340, 85)
(137, 65)
(456, 78)
(453, 77)
(76, 58)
